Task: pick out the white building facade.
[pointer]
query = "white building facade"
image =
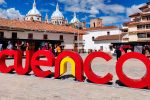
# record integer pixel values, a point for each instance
(138, 28)
(92, 43)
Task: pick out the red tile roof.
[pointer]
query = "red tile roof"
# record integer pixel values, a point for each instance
(137, 23)
(145, 6)
(148, 3)
(37, 26)
(100, 28)
(135, 14)
(140, 31)
(109, 37)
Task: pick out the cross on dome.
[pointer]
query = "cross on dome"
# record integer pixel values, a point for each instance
(34, 4)
(57, 7)
(75, 16)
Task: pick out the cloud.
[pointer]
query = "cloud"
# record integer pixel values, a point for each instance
(11, 13)
(92, 7)
(108, 1)
(27, 3)
(2, 2)
(107, 20)
(113, 9)
(44, 10)
(51, 4)
(133, 9)
(92, 16)
(84, 18)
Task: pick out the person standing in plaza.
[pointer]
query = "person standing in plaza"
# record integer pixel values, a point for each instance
(50, 48)
(27, 46)
(122, 50)
(58, 50)
(10, 46)
(118, 53)
(147, 52)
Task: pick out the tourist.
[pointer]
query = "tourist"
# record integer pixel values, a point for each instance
(1, 47)
(118, 53)
(27, 46)
(10, 46)
(122, 51)
(55, 51)
(147, 52)
(129, 50)
(50, 48)
(58, 50)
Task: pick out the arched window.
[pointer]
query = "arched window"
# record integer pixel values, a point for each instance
(93, 38)
(94, 24)
(1, 34)
(45, 36)
(108, 33)
(61, 37)
(30, 36)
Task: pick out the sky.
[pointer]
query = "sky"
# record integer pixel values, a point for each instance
(113, 12)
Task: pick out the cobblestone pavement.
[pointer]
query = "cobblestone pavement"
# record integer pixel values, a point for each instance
(16, 87)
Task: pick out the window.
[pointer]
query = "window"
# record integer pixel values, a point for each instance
(75, 38)
(143, 26)
(139, 27)
(148, 35)
(125, 30)
(93, 38)
(148, 17)
(31, 18)
(30, 36)
(1, 34)
(94, 24)
(111, 48)
(61, 37)
(108, 33)
(14, 35)
(45, 36)
(101, 48)
(57, 23)
(142, 35)
(147, 26)
(76, 45)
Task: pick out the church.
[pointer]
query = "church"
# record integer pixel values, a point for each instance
(57, 17)
(37, 32)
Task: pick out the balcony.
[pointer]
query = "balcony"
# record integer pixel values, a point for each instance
(144, 39)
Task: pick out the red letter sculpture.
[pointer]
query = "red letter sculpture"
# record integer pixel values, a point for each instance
(134, 83)
(90, 74)
(36, 62)
(18, 63)
(3, 67)
(78, 64)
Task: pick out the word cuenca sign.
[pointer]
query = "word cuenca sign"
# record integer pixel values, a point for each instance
(78, 67)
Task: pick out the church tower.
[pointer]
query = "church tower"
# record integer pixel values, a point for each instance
(74, 19)
(57, 17)
(46, 18)
(33, 14)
